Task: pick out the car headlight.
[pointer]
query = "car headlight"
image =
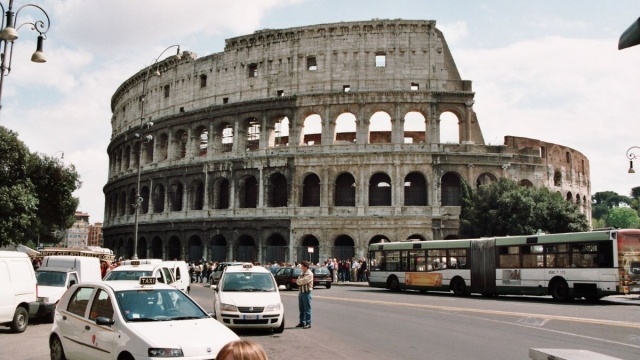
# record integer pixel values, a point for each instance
(274, 307)
(159, 352)
(228, 307)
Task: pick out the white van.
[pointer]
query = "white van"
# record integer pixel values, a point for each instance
(180, 271)
(17, 290)
(134, 269)
(57, 274)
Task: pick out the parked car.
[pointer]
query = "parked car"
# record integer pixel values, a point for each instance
(126, 319)
(217, 272)
(287, 276)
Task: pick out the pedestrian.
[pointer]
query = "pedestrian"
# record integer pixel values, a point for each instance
(242, 350)
(305, 285)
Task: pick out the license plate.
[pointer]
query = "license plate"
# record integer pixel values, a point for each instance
(321, 283)
(250, 317)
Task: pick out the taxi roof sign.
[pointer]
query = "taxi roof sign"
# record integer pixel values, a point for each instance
(147, 280)
(247, 266)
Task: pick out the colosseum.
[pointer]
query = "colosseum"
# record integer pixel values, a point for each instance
(307, 143)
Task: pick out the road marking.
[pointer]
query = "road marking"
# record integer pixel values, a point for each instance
(632, 325)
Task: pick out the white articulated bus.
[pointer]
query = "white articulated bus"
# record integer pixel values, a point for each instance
(586, 264)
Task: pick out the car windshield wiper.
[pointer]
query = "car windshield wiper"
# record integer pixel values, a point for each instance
(186, 317)
(143, 319)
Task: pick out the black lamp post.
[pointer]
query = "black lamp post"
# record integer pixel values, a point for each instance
(144, 139)
(9, 34)
(632, 156)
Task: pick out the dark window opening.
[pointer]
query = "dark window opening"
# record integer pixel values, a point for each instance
(253, 70)
(225, 100)
(203, 80)
(346, 88)
(166, 91)
(415, 86)
(311, 191)
(312, 64)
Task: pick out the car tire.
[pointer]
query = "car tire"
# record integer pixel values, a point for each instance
(20, 320)
(288, 286)
(279, 329)
(55, 349)
(329, 286)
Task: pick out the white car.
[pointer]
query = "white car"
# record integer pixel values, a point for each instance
(247, 296)
(133, 320)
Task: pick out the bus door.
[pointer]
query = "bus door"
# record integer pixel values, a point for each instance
(483, 266)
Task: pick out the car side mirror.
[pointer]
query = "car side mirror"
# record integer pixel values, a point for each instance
(102, 320)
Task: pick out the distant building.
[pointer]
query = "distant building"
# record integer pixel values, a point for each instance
(95, 234)
(78, 234)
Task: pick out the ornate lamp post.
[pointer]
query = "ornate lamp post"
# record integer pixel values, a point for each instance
(9, 34)
(145, 139)
(632, 156)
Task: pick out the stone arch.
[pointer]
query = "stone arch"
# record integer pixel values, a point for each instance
(569, 196)
(131, 200)
(280, 132)
(251, 127)
(122, 203)
(247, 250)
(312, 130)
(147, 152)
(557, 178)
(343, 247)
(380, 190)
(415, 190)
(218, 248)
(163, 147)
(128, 250)
(415, 128)
(174, 248)
(276, 249)
(380, 128)
(526, 183)
(196, 195)
(158, 199)
(180, 144)
(202, 140)
(221, 193)
(136, 154)
(278, 193)
(309, 241)
(176, 196)
(450, 124)
(196, 250)
(311, 190)
(248, 194)
(345, 190)
(224, 138)
(157, 248)
(142, 248)
(144, 193)
(127, 157)
(346, 129)
(485, 178)
(416, 237)
(378, 239)
(451, 191)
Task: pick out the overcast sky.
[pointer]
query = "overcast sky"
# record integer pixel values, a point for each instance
(543, 69)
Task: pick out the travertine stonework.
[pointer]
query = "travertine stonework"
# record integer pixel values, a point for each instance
(271, 148)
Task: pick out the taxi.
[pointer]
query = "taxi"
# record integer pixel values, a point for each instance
(247, 296)
(127, 319)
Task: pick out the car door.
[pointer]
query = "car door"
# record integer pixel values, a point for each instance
(100, 338)
(72, 323)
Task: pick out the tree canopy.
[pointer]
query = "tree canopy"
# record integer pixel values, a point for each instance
(622, 218)
(35, 192)
(504, 208)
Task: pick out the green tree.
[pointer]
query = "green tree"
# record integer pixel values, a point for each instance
(505, 208)
(623, 218)
(605, 200)
(35, 192)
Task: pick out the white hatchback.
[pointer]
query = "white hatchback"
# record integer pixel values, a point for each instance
(133, 320)
(247, 296)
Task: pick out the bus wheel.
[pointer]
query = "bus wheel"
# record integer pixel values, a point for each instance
(459, 287)
(559, 290)
(394, 284)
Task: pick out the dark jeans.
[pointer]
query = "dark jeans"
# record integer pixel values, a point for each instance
(304, 305)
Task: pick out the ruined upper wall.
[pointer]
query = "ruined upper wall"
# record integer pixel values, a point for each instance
(296, 61)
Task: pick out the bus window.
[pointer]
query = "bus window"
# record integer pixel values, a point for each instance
(457, 258)
(435, 259)
(584, 255)
(417, 260)
(532, 256)
(557, 255)
(509, 257)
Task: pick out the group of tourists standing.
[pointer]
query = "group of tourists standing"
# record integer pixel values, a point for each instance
(348, 270)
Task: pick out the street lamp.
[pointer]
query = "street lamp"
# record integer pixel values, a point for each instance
(146, 139)
(9, 34)
(632, 156)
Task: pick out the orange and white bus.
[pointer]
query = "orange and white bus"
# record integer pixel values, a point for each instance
(587, 264)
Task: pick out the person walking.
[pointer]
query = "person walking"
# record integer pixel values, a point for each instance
(305, 285)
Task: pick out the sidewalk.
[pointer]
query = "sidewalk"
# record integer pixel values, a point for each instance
(349, 283)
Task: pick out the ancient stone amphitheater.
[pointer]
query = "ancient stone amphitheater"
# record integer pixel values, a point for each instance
(308, 143)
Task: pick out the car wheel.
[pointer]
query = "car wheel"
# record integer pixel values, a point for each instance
(55, 349)
(20, 320)
(279, 329)
(328, 285)
(288, 286)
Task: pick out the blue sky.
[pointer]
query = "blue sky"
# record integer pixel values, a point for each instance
(543, 69)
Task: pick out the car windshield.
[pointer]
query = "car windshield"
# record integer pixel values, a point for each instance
(157, 305)
(127, 274)
(51, 278)
(320, 271)
(248, 282)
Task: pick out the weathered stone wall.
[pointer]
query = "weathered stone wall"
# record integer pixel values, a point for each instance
(237, 171)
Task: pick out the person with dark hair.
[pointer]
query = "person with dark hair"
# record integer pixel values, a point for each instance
(242, 350)
(305, 285)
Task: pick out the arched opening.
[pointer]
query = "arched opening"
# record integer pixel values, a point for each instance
(202, 134)
(451, 190)
(158, 199)
(218, 248)
(129, 248)
(163, 147)
(485, 179)
(346, 129)
(415, 128)
(280, 133)
(416, 237)
(147, 152)
(247, 249)
(526, 183)
(311, 190)
(415, 190)
(226, 138)
(343, 247)
(181, 141)
(248, 192)
(309, 250)
(379, 239)
(276, 249)
(122, 203)
(380, 128)
(176, 196)
(312, 130)
(221, 194)
(142, 248)
(345, 193)
(278, 192)
(174, 248)
(144, 193)
(380, 190)
(156, 248)
(557, 178)
(253, 134)
(449, 128)
(196, 251)
(196, 195)
(127, 157)
(131, 200)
